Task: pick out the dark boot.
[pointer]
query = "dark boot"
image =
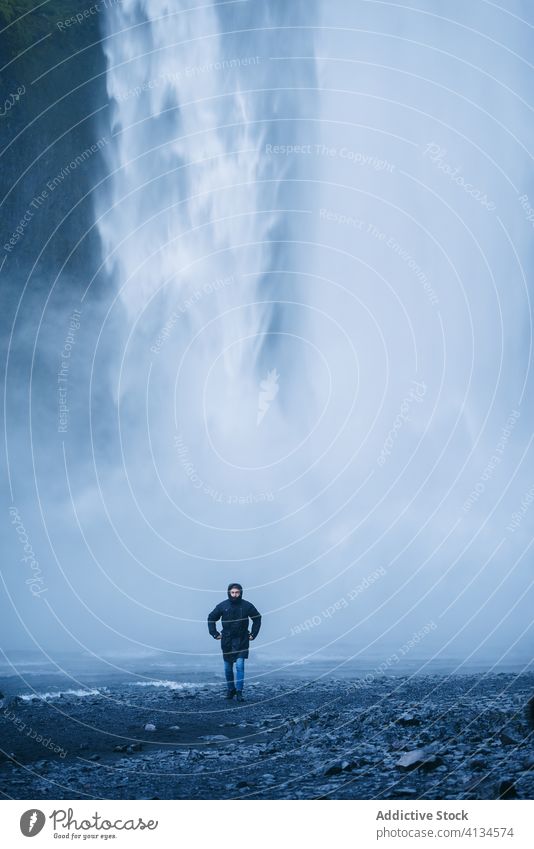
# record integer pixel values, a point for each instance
(230, 694)
(239, 694)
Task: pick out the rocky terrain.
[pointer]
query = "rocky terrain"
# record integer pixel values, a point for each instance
(430, 737)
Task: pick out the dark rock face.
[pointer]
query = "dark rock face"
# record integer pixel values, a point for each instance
(291, 740)
(50, 124)
(530, 712)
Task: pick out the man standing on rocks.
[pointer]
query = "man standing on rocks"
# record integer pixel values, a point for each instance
(234, 613)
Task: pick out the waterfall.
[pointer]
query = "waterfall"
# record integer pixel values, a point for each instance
(199, 223)
(322, 326)
(193, 203)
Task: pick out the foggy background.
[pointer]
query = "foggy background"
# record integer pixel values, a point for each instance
(285, 299)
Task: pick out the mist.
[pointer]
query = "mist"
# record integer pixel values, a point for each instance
(301, 358)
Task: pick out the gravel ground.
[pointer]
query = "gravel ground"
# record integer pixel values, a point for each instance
(429, 737)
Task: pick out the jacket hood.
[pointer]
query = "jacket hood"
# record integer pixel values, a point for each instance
(239, 587)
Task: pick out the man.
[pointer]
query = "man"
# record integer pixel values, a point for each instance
(234, 613)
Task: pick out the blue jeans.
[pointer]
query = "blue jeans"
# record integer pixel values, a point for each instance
(239, 673)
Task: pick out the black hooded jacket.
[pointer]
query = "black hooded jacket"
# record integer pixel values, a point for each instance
(234, 614)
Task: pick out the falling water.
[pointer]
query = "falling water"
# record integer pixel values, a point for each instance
(194, 204)
(288, 371)
(311, 371)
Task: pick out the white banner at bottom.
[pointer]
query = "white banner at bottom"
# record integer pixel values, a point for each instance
(317, 823)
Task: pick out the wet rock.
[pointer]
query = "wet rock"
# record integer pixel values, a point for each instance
(150, 726)
(401, 793)
(334, 769)
(134, 747)
(408, 719)
(120, 748)
(508, 739)
(412, 759)
(507, 789)
(174, 727)
(339, 767)
(419, 759)
(94, 757)
(213, 738)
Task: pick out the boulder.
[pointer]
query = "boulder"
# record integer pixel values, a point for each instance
(508, 739)
(333, 769)
(339, 767)
(507, 789)
(419, 759)
(214, 738)
(408, 719)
